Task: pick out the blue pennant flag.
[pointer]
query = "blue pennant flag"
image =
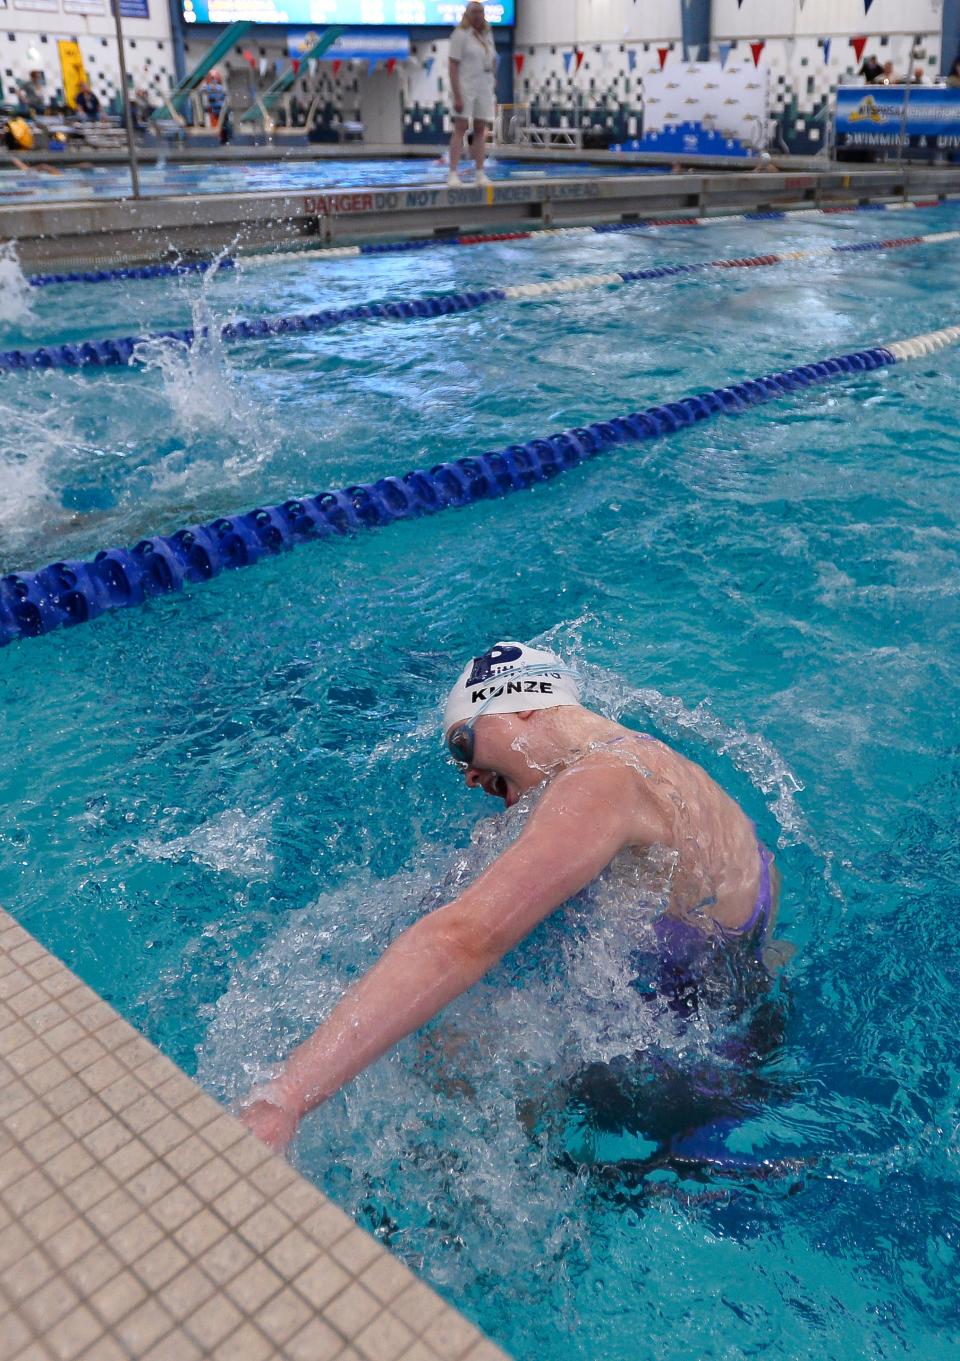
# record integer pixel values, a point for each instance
(372, 65)
(866, 6)
(724, 50)
(567, 59)
(428, 64)
(826, 50)
(631, 59)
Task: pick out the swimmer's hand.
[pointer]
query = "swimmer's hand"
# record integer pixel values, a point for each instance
(274, 1124)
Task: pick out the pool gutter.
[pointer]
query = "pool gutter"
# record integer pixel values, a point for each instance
(139, 1219)
(88, 233)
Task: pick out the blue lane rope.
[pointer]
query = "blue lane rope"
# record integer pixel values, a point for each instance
(161, 271)
(67, 593)
(119, 351)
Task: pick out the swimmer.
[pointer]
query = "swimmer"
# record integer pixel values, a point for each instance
(513, 722)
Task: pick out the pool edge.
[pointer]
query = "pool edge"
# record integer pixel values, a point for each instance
(139, 1219)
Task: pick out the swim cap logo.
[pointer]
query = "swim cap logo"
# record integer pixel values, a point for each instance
(483, 667)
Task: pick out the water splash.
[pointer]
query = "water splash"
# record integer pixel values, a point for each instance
(16, 295)
(233, 841)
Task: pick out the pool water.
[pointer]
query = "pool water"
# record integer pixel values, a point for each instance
(164, 177)
(222, 805)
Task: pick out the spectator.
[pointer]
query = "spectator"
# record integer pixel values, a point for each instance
(32, 93)
(886, 76)
(953, 79)
(87, 103)
(871, 70)
(214, 96)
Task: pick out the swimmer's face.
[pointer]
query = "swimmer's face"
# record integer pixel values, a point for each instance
(496, 765)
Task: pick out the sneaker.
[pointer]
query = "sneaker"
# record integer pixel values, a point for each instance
(482, 178)
(454, 181)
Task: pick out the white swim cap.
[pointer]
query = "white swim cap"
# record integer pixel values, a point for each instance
(510, 679)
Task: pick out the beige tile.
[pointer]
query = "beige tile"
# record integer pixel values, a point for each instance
(246, 1344)
(175, 1208)
(144, 1113)
(24, 1000)
(321, 1281)
(224, 1132)
(188, 1156)
(158, 1266)
(315, 1342)
(116, 1299)
(14, 1095)
(47, 1219)
(264, 1228)
(44, 968)
(352, 1310)
(386, 1277)
(384, 1339)
(14, 1244)
(127, 1161)
(90, 1188)
(151, 1183)
(253, 1287)
(78, 1330)
(484, 1350)
(107, 1139)
(134, 1050)
(106, 1349)
(213, 1321)
(450, 1335)
(49, 1075)
(47, 1142)
(419, 1352)
(200, 1110)
(27, 1275)
(212, 1179)
(62, 1030)
(283, 1315)
(238, 1203)
(186, 1292)
(30, 1190)
(101, 1074)
(29, 1054)
(226, 1259)
(145, 1326)
(71, 1242)
(136, 1237)
(16, 1334)
(26, 951)
(356, 1250)
(327, 1224)
(115, 1033)
(418, 1306)
(14, 1164)
(248, 1154)
(98, 1013)
(83, 1054)
(62, 984)
(35, 1351)
(199, 1233)
(47, 1306)
(122, 1093)
(66, 1096)
(176, 1346)
(112, 1213)
(292, 1254)
(86, 1116)
(94, 1269)
(165, 1135)
(68, 1165)
(275, 1176)
(171, 1092)
(156, 1070)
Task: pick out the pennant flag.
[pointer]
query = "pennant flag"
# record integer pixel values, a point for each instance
(295, 63)
(336, 64)
(739, 4)
(391, 65)
(756, 49)
(866, 6)
(518, 59)
(662, 54)
(579, 60)
(724, 50)
(372, 65)
(428, 64)
(802, 3)
(567, 59)
(858, 44)
(631, 60)
(826, 50)
(248, 57)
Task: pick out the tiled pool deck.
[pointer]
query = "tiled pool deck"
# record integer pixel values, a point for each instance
(138, 1219)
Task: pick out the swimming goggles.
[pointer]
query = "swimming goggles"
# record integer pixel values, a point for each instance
(461, 742)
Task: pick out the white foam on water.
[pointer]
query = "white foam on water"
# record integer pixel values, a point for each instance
(16, 295)
(234, 842)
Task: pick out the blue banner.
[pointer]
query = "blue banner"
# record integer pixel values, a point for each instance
(928, 117)
(320, 13)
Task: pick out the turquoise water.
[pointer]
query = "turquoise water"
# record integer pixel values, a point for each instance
(221, 806)
(276, 177)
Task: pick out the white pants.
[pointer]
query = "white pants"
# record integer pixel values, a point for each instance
(479, 102)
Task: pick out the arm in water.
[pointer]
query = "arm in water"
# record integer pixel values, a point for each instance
(584, 817)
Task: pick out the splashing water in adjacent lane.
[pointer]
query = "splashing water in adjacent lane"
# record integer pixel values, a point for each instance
(16, 295)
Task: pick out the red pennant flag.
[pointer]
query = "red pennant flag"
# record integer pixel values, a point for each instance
(756, 49)
(295, 63)
(391, 65)
(858, 44)
(662, 54)
(337, 63)
(518, 59)
(578, 59)
(249, 58)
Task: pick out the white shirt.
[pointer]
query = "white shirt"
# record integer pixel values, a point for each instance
(477, 56)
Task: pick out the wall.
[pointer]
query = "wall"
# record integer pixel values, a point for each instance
(28, 41)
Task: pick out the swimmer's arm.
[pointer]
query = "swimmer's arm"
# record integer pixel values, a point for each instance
(583, 819)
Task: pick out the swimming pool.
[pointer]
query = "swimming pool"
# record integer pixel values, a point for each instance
(276, 176)
(222, 805)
